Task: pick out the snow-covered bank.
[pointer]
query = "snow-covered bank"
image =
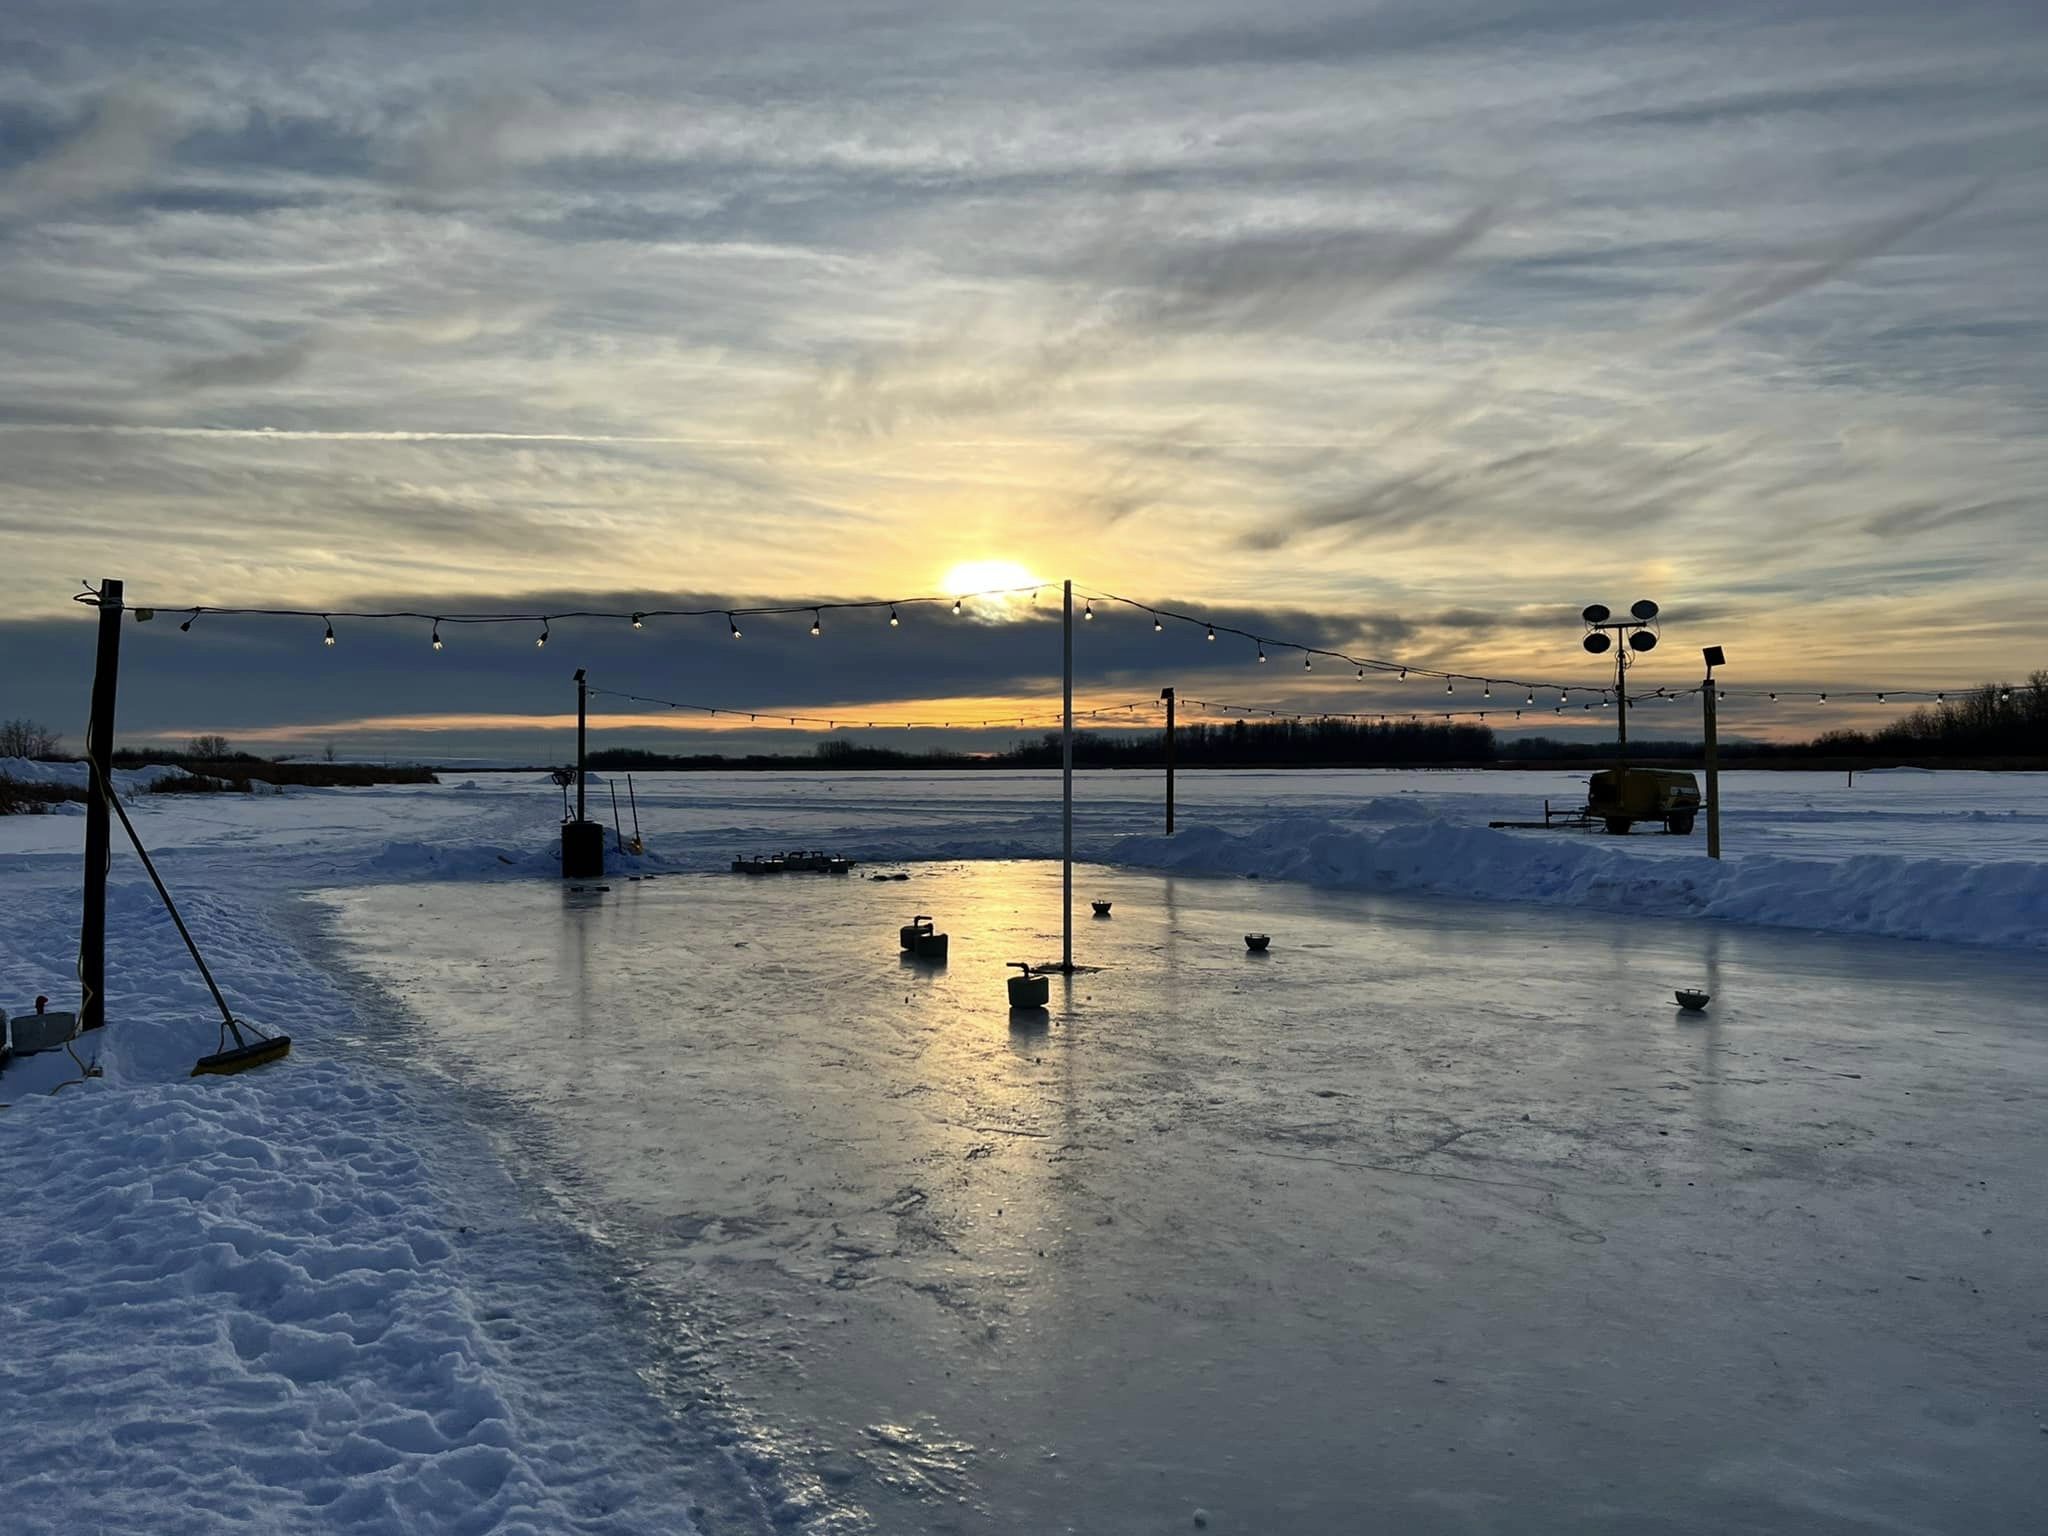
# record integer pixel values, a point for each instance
(303, 1299)
(1390, 848)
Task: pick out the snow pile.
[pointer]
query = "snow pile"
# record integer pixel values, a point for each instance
(78, 774)
(211, 1324)
(1893, 896)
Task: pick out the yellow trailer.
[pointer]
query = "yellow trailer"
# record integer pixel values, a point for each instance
(1621, 797)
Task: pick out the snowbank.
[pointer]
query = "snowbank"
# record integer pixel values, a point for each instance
(78, 774)
(2000, 903)
(278, 1311)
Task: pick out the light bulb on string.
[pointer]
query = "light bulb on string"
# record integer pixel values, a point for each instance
(1361, 674)
(817, 624)
(186, 627)
(1880, 698)
(1772, 697)
(733, 623)
(1088, 608)
(1449, 686)
(1941, 698)
(956, 607)
(1487, 691)
(1262, 650)
(1532, 697)
(1212, 629)
(541, 643)
(328, 638)
(638, 619)
(1404, 674)
(1823, 698)
(437, 634)
(1308, 664)
(1157, 627)
(894, 622)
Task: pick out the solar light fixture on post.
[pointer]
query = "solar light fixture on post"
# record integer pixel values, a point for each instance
(1715, 657)
(1638, 634)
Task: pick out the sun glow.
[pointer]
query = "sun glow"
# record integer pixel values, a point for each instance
(992, 576)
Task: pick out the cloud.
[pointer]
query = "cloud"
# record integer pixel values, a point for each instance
(266, 365)
(1768, 283)
(114, 151)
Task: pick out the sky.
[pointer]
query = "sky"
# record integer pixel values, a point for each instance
(1408, 329)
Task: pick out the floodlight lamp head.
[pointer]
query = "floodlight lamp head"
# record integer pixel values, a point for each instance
(1595, 613)
(1643, 609)
(1642, 640)
(1715, 656)
(1597, 642)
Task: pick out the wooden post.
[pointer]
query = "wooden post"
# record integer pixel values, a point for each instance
(99, 747)
(1713, 769)
(1067, 787)
(1167, 694)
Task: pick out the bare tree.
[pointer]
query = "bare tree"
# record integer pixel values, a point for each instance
(211, 749)
(29, 738)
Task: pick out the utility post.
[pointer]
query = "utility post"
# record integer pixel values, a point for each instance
(99, 747)
(1708, 693)
(1167, 694)
(582, 839)
(1065, 797)
(582, 725)
(1067, 787)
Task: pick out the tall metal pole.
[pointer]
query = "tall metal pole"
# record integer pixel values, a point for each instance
(1713, 769)
(1067, 787)
(1621, 702)
(582, 719)
(1167, 694)
(99, 746)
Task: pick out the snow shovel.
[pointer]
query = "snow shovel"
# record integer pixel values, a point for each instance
(250, 1050)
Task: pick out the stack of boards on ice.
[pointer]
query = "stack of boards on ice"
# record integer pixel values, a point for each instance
(791, 863)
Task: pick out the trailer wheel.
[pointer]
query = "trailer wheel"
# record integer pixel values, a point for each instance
(1618, 825)
(1680, 826)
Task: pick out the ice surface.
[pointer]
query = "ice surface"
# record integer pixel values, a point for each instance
(1438, 1217)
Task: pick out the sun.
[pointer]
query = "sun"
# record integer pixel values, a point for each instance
(1010, 586)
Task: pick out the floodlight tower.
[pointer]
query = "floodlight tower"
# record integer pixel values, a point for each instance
(1638, 634)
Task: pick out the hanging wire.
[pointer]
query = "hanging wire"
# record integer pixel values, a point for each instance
(1362, 666)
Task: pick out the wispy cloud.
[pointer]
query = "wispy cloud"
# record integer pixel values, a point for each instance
(1766, 283)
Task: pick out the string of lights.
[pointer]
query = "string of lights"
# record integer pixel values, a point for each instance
(1365, 667)
(1309, 654)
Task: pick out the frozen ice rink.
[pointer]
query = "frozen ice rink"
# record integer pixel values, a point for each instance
(1438, 1217)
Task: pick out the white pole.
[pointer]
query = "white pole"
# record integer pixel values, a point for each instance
(1067, 791)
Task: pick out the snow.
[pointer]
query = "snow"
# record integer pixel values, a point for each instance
(78, 774)
(1999, 902)
(413, 1279)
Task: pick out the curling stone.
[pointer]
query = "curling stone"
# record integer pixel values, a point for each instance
(1028, 990)
(1101, 908)
(1257, 942)
(1692, 1000)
